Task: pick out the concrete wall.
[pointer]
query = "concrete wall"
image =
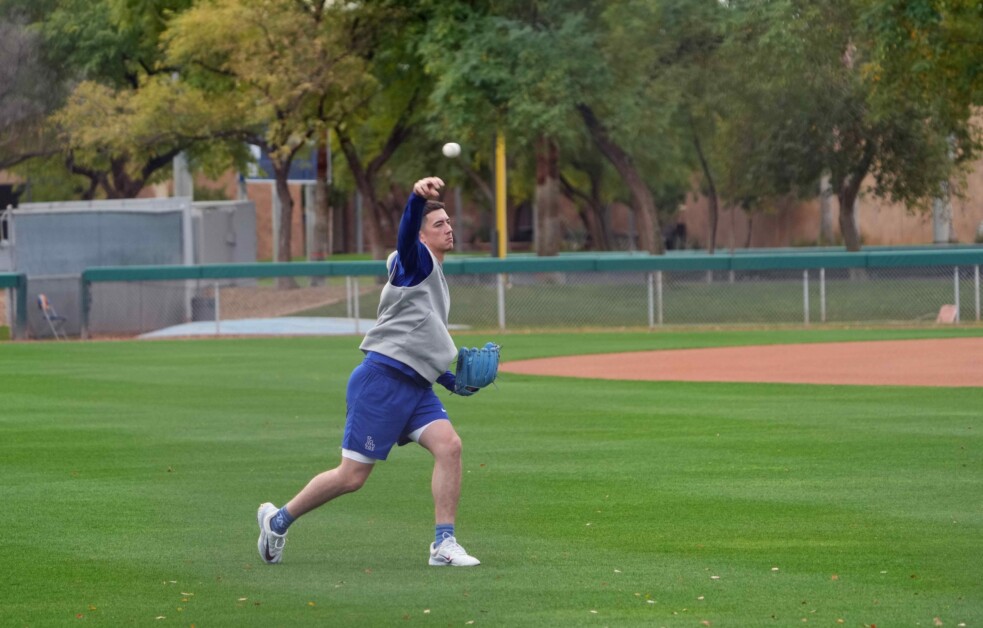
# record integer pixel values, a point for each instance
(54, 242)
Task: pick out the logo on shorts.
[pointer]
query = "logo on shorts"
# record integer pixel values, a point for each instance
(369, 444)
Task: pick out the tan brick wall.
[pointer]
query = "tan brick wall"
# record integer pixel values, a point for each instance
(881, 223)
(261, 194)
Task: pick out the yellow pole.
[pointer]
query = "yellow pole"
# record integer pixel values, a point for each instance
(501, 231)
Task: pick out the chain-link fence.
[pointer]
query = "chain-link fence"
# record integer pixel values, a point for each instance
(539, 293)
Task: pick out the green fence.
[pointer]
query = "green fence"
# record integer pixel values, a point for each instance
(16, 284)
(569, 291)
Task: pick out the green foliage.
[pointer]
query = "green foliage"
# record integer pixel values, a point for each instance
(48, 180)
(757, 99)
(498, 70)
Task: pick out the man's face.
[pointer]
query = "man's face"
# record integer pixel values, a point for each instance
(437, 232)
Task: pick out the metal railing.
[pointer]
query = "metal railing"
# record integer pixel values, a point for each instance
(575, 291)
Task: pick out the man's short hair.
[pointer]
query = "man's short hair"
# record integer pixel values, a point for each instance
(432, 206)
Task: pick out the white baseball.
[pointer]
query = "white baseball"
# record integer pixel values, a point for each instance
(452, 149)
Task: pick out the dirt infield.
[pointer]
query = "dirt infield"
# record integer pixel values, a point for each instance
(946, 362)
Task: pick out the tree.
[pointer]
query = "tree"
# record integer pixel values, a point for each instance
(519, 68)
(84, 44)
(932, 50)
(124, 139)
(284, 67)
(28, 91)
(818, 59)
(683, 82)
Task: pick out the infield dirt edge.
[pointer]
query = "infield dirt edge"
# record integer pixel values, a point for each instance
(954, 362)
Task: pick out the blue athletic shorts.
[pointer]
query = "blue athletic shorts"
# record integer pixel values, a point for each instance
(385, 406)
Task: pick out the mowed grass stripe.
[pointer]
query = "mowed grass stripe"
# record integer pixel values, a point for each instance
(132, 471)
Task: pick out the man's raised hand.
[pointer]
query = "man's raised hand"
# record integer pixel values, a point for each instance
(428, 187)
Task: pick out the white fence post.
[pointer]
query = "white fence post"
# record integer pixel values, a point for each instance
(955, 287)
(501, 301)
(356, 305)
(976, 289)
(805, 296)
(218, 310)
(650, 280)
(822, 295)
(658, 294)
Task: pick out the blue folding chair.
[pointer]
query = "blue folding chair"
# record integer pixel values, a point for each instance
(56, 322)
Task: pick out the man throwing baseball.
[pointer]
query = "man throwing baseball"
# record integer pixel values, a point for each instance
(390, 395)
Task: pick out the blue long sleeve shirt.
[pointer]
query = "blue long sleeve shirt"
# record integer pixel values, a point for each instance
(411, 265)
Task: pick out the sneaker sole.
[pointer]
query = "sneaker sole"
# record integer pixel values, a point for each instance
(440, 563)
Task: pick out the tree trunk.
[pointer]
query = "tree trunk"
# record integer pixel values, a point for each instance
(825, 212)
(281, 172)
(942, 216)
(713, 203)
(380, 227)
(646, 217)
(847, 197)
(370, 217)
(323, 212)
(547, 197)
(591, 212)
(847, 189)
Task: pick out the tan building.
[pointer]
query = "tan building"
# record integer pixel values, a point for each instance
(798, 224)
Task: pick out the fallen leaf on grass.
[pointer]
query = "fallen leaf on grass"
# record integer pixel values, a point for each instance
(243, 599)
(312, 603)
(161, 617)
(715, 577)
(936, 621)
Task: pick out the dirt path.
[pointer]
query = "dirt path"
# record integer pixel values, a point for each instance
(946, 362)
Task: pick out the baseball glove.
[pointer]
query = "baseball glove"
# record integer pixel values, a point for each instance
(476, 368)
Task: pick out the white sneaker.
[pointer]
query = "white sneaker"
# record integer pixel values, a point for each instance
(450, 553)
(270, 543)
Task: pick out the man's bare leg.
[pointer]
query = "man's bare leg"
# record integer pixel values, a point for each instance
(441, 440)
(347, 477)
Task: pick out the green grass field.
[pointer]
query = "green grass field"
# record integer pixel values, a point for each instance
(132, 472)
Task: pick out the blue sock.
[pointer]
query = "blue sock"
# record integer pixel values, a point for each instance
(443, 531)
(281, 521)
